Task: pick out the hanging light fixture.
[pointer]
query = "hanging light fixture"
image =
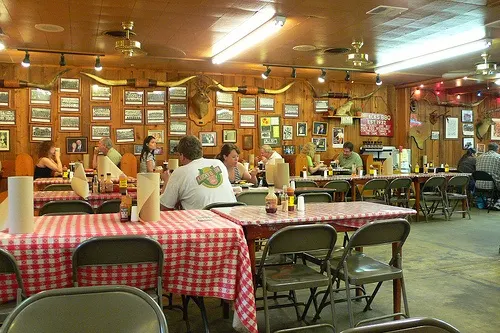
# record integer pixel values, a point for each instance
(98, 66)
(347, 76)
(479, 93)
(294, 73)
(26, 61)
(378, 81)
(265, 75)
(322, 77)
(62, 62)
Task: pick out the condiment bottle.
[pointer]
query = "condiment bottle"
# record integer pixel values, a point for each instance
(446, 168)
(108, 185)
(291, 198)
(65, 172)
(102, 184)
(304, 172)
(417, 168)
(284, 199)
(124, 212)
(95, 185)
(271, 201)
(426, 168)
(123, 184)
(353, 170)
(330, 171)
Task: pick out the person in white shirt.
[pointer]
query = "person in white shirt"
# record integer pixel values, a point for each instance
(198, 182)
(268, 154)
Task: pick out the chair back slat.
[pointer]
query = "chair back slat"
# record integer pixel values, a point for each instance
(66, 206)
(109, 206)
(305, 183)
(338, 185)
(58, 187)
(458, 181)
(433, 182)
(410, 325)
(399, 183)
(380, 232)
(375, 184)
(252, 198)
(316, 197)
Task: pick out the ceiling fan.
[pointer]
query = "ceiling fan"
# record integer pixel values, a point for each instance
(484, 71)
(358, 59)
(127, 46)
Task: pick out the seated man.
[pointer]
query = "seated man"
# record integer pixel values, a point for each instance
(349, 158)
(490, 163)
(106, 147)
(198, 182)
(268, 154)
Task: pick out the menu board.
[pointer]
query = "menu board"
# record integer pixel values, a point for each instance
(376, 124)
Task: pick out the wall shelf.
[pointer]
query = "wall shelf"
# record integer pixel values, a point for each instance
(337, 117)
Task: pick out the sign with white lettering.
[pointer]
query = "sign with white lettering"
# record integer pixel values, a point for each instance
(376, 124)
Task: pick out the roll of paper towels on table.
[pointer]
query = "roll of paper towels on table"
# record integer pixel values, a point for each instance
(148, 196)
(282, 175)
(173, 163)
(21, 208)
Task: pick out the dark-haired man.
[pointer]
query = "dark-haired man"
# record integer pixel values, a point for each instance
(349, 157)
(198, 182)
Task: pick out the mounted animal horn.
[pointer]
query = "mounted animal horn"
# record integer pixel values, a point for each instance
(17, 84)
(245, 90)
(138, 83)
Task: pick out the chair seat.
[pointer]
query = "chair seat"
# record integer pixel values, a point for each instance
(433, 197)
(314, 256)
(297, 276)
(363, 270)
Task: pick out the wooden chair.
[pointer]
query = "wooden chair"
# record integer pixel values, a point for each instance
(367, 161)
(128, 165)
(24, 165)
(300, 162)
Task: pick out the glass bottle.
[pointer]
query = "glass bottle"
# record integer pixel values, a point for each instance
(124, 212)
(446, 168)
(290, 191)
(95, 185)
(284, 199)
(426, 168)
(330, 171)
(65, 172)
(102, 185)
(108, 185)
(353, 170)
(304, 172)
(271, 201)
(417, 168)
(123, 184)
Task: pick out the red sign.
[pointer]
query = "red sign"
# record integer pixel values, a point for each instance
(376, 124)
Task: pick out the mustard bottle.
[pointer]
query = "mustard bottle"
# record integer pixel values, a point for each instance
(417, 168)
(446, 168)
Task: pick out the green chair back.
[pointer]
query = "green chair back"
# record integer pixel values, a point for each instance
(339, 185)
(8, 266)
(305, 183)
(109, 206)
(316, 197)
(223, 204)
(67, 207)
(411, 325)
(252, 198)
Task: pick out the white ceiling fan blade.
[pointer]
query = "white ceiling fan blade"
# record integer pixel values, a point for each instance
(456, 74)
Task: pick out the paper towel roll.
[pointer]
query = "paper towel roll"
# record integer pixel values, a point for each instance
(173, 163)
(424, 159)
(270, 168)
(282, 175)
(21, 209)
(317, 158)
(279, 160)
(387, 166)
(86, 161)
(79, 182)
(148, 196)
(104, 165)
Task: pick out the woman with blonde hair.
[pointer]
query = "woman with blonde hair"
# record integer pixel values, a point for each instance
(309, 150)
(49, 160)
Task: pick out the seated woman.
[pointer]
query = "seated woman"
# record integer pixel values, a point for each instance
(147, 159)
(49, 161)
(229, 155)
(309, 150)
(467, 164)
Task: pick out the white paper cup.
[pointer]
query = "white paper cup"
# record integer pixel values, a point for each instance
(58, 150)
(360, 173)
(301, 206)
(134, 216)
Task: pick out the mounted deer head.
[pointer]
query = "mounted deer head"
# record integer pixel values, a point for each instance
(201, 99)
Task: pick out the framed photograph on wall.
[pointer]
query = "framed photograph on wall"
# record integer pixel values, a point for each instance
(495, 129)
(480, 148)
(4, 98)
(177, 128)
(69, 104)
(101, 113)
(248, 103)
(40, 133)
(289, 149)
(156, 97)
(451, 128)
(177, 93)
(434, 135)
(467, 116)
(468, 129)
(132, 116)
(100, 93)
(7, 117)
(320, 144)
(40, 96)
(97, 132)
(287, 132)
(467, 143)
(224, 98)
(321, 105)
(301, 128)
(158, 134)
(320, 128)
(290, 110)
(155, 116)
(40, 114)
(172, 146)
(133, 97)
(137, 149)
(337, 137)
(247, 142)
(208, 139)
(229, 136)
(125, 135)
(4, 140)
(69, 123)
(248, 121)
(76, 145)
(224, 116)
(69, 85)
(177, 110)
(266, 103)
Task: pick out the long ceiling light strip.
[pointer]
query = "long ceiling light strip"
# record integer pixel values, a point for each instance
(434, 57)
(266, 30)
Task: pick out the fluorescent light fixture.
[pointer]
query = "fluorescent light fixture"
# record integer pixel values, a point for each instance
(250, 40)
(434, 57)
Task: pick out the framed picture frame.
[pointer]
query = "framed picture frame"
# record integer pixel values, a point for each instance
(468, 129)
(158, 134)
(125, 135)
(495, 129)
(229, 136)
(248, 103)
(69, 123)
(451, 128)
(177, 93)
(4, 140)
(480, 148)
(321, 105)
(77, 145)
(288, 149)
(172, 146)
(287, 132)
(133, 97)
(156, 97)
(177, 110)
(320, 144)
(248, 120)
(69, 104)
(178, 127)
(40, 133)
(101, 113)
(467, 143)
(290, 110)
(208, 139)
(301, 128)
(40, 96)
(270, 130)
(4, 98)
(40, 114)
(266, 104)
(7, 117)
(320, 128)
(224, 116)
(69, 85)
(467, 116)
(97, 132)
(100, 93)
(247, 142)
(133, 116)
(434, 135)
(224, 98)
(137, 149)
(155, 116)
(338, 137)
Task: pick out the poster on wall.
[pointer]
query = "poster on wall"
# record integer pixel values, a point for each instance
(270, 131)
(376, 124)
(337, 137)
(451, 128)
